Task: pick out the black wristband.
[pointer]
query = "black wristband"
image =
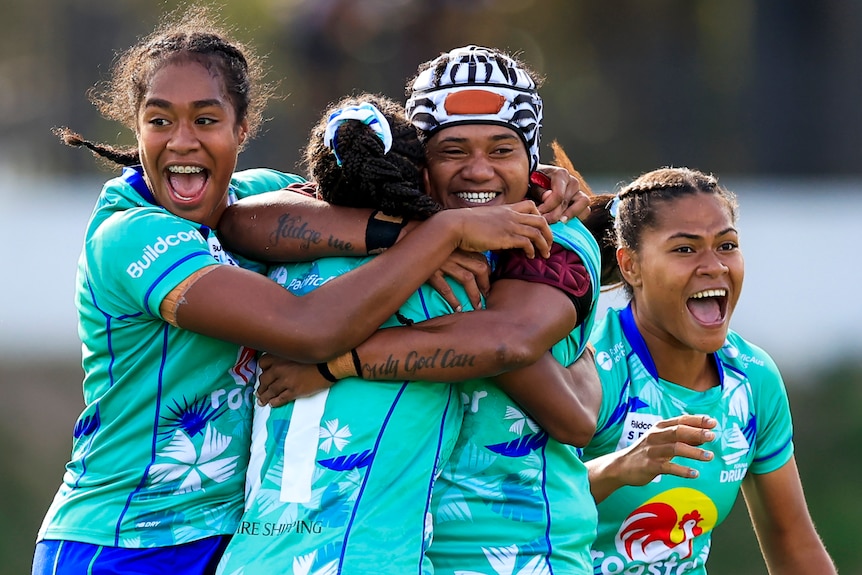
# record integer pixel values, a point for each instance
(356, 363)
(382, 232)
(324, 371)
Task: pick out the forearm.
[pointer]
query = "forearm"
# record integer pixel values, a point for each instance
(785, 531)
(449, 348)
(564, 404)
(604, 476)
(288, 226)
(519, 325)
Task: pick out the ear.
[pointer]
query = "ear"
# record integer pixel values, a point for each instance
(426, 183)
(629, 266)
(243, 132)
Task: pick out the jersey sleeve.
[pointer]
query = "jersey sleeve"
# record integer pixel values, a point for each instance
(137, 256)
(563, 270)
(774, 440)
(259, 180)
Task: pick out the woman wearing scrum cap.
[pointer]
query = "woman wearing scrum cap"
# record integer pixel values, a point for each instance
(513, 492)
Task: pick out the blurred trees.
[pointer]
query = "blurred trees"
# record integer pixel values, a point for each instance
(738, 86)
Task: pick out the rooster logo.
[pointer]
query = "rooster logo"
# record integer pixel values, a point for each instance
(666, 525)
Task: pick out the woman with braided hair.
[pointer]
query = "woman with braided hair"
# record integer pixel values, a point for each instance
(691, 412)
(513, 490)
(170, 320)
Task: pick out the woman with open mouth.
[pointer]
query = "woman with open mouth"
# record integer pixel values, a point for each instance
(678, 383)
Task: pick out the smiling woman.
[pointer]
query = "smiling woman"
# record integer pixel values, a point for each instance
(171, 321)
(664, 477)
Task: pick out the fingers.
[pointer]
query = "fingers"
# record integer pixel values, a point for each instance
(471, 270)
(564, 199)
(578, 208)
(282, 399)
(267, 388)
(441, 286)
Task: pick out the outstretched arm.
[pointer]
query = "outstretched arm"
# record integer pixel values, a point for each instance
(785, 531)
(240, 306)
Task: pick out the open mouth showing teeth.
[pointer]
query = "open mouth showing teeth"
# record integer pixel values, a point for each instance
(708, 306)
(477, 197)
(185, 169)
(187, 182)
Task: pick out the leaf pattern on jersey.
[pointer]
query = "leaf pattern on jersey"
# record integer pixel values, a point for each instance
(192, 418)
(521, 446)
(309, 565)
(504, 561)
(333, 436)
(350, 461)
(188, 468)
(88, 425)
(520, 420)
(739, 422)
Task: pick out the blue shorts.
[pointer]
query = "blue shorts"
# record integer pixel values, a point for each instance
(74, 558)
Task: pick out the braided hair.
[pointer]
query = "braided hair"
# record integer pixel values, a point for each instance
(368, 176)
(192, 34)
(638, 200)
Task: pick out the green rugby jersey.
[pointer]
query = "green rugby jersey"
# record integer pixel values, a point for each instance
(511, 499)
(666, 526)
(160, 450)
(340, 482)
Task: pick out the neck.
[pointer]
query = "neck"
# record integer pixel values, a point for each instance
(676, 362)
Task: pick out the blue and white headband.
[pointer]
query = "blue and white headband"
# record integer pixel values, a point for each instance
(366, 113)
(477, 86)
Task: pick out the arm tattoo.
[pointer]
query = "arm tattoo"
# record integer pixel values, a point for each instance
(414, 363)
(292, 227)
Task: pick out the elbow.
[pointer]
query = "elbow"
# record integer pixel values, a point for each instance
(575, 433)
(576, 430)
(515, 352)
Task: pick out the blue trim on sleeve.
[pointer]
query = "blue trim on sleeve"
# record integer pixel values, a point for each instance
(165, 273)
(774, 453)
(134, 176)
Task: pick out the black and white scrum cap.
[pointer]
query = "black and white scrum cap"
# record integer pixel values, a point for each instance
(477, 86)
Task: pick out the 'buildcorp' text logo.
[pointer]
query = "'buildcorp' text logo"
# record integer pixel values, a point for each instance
(152, 252)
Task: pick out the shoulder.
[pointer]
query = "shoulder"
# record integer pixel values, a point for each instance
(258, 180)
(749, 359)
(611, 350)
(574, 236)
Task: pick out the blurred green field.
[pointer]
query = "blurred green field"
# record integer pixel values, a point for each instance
(40, 403)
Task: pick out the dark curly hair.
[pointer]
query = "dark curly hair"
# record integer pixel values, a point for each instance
(184, 34)
(368, 177)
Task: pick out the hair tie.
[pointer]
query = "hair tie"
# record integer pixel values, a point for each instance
(366, 113)
(614, 206)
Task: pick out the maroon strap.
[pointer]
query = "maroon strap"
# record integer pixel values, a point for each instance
(304, 188)
(563, 270)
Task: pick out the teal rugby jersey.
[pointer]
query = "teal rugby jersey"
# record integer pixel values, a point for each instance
(666, 526)
(511, 499)
(340, 482)
(160, 451)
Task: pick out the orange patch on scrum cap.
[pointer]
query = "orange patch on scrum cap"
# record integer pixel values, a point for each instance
(474, 102)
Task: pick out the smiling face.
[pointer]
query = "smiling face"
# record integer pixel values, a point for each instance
(473, 165)
(687, 275)
(189, 139)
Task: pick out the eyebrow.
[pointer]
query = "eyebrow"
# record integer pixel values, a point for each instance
(687, 236)
(495, 137)
(161, 103)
